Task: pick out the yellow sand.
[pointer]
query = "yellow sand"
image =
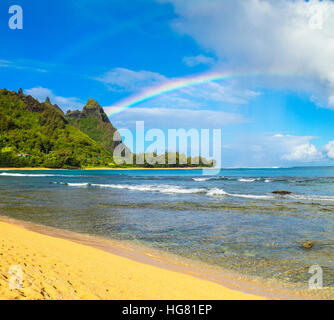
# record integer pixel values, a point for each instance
(55, 268)
(107, 168)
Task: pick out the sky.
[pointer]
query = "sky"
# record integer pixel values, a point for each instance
(275, 108)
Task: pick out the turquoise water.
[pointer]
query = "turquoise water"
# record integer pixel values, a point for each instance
(231, 220)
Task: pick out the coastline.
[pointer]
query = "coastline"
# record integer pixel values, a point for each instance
(87, 169)
(59, 264)
(256, 284)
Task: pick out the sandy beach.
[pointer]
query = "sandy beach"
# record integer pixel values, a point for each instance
(99, 168)
(55, 268)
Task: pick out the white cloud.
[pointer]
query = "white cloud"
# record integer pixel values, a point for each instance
(169, 118)
(41, 93)
(203, 96)
(197, 60)
(121, 79)
(285, 36)
(329, 150)
(261, 150)
(304, 153)
(216, 92)
(174, 100)
(206, 96)
(22, 65)
(5, 64)
(296, 148)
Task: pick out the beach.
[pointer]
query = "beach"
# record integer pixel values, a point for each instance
(103, 169)
(227, 231)
(55, 268)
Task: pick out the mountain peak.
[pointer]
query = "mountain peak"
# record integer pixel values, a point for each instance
(94, 122)
(93, 109)
(92, 105)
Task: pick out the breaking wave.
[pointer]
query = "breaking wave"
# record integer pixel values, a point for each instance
(249, 180)
(78, 184)
(152, 188)
(212, 192)
(32, 175)
(170, 189)
(201, 179)
(26, 175)
(311, 197)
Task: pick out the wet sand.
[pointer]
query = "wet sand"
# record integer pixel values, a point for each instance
(98, 168)
(68, 268)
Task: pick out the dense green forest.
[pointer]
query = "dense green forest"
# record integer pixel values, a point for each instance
(93, 121)
(34, 134)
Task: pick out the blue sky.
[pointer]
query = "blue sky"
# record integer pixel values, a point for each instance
(110, 50)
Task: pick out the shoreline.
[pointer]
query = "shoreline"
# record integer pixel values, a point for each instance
(165, 268)
(145, 253)
(59, 264)
(87, 169)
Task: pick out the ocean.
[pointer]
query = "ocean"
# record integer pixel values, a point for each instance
(231, 220)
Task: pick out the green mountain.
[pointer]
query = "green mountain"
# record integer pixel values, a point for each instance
(34, 134)
(93, 121)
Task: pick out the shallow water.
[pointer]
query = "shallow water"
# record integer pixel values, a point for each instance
(231, 220)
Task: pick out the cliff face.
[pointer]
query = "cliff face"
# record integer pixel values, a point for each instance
(34, 134)
(91, 109)
(94, 122)
(42, 132)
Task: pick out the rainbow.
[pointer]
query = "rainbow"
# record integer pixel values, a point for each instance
(174, 85)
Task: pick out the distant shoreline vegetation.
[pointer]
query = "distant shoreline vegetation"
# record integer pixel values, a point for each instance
(40, 135)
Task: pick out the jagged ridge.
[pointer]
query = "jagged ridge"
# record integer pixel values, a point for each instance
(94, 122)
(39, 135)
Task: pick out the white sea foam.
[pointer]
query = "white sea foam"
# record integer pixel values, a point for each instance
(246, 180)
(85, 184)
(221, 192)
(311, 197)
(176, 189)
(212, 192)
(6, 174)
(216, 192)
(152, 188)
(201, 179)
(32, 175)
(251, 196)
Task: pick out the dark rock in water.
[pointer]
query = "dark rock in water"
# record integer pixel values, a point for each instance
(281, 192)
(307, 245)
